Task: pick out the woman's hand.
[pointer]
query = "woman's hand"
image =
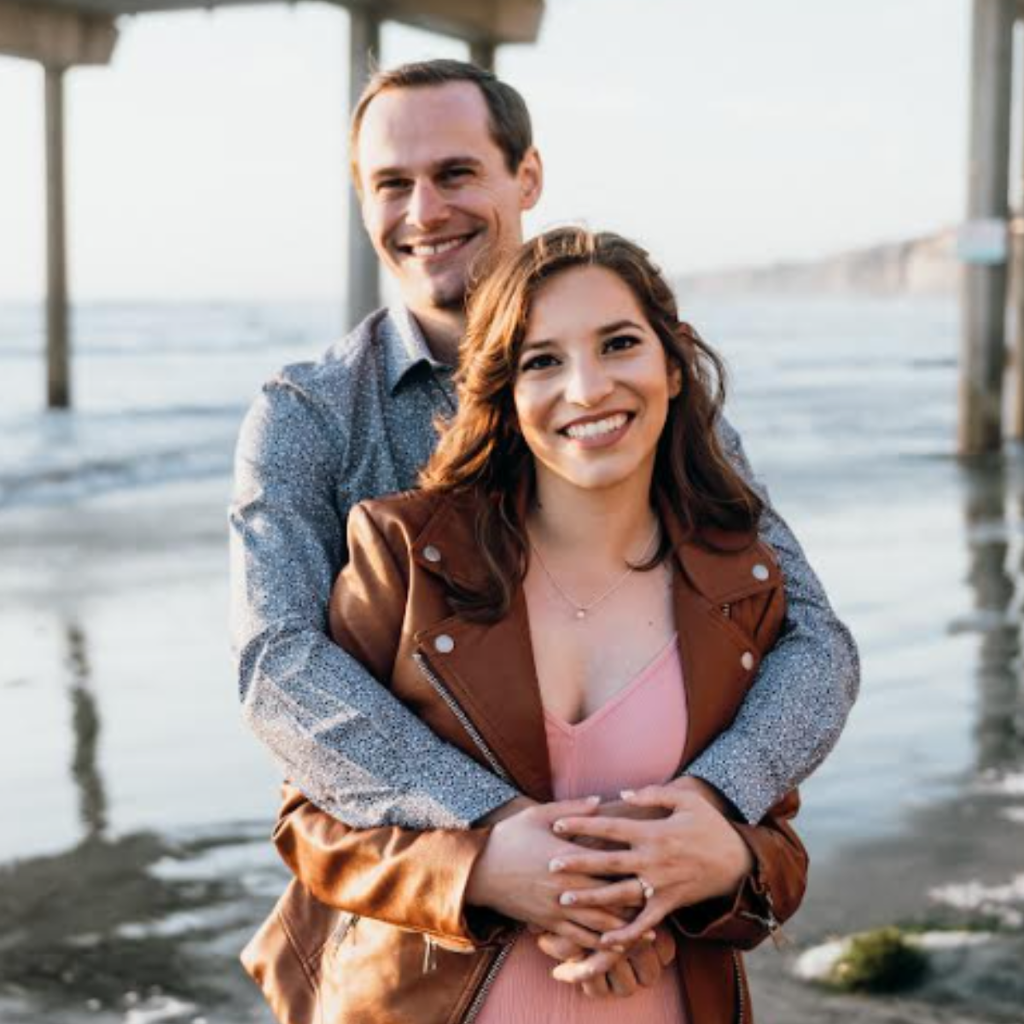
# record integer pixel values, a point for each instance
(608, 972)
(692, 855)
(512, 875)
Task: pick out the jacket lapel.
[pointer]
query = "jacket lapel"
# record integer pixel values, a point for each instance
(719, 662)
(489, 670)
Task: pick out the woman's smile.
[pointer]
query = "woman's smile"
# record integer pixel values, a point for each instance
(598, 431)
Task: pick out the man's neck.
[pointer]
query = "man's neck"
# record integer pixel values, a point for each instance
(443, 330)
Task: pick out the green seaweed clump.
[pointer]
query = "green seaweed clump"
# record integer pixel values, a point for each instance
(879, 961)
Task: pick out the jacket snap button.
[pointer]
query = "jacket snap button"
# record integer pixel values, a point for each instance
(747, 661)
(431, 554)
(760, 572)
(444, 644)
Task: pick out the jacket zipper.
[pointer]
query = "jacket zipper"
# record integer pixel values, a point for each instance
(429, 953)
(464, 720)
(485, 986)
(341, 933)
(769, 921)
(741, 1008)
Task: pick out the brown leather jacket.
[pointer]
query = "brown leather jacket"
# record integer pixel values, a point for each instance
(375, 929)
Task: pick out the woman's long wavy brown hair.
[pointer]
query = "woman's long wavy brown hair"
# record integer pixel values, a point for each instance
(482, 454)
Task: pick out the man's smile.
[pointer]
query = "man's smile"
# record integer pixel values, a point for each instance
(432, 248)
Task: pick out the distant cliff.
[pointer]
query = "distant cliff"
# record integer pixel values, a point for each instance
(921, 266)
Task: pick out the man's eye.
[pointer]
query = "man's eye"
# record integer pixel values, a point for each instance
(388, 185)
(538, 363)
(456, 173)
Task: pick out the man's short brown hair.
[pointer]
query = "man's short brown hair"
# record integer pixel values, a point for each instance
(509, 119)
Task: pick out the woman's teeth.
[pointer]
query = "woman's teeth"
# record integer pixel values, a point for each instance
(596, 428)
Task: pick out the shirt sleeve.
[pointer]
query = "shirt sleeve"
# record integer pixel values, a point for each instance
(797, 706)
(336, 732)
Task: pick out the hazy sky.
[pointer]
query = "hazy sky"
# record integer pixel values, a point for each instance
(209, 160)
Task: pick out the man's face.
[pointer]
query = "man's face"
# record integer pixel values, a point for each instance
(436, 189)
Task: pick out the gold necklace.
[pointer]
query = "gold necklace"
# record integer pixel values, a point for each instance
(582, 609)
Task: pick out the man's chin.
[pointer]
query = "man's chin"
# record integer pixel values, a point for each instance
(441, 295)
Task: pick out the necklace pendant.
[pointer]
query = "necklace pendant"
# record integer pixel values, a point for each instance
(581, 613)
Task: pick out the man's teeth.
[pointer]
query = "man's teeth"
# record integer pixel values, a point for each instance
(597, 427)
(435, 250)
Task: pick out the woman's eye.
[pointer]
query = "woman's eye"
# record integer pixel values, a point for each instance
(538, 363)
(621, 342)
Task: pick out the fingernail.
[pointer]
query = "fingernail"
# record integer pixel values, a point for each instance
(567, 899)
(649, 936)
(556, 865)
(619, 949)
(559, 826)
(593, 800)
(627, 794)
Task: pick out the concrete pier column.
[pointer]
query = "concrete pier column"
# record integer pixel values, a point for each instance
(58, 347)
(483, 54)
(363, 273)
(984, 299)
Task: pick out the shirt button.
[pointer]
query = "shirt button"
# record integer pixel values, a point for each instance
(444, 644)
(431, 554)
(760, 572)
(747, 661)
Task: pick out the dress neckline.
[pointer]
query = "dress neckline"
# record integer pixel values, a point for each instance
(621, 695)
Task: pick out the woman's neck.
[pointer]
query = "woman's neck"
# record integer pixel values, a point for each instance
(611, 525)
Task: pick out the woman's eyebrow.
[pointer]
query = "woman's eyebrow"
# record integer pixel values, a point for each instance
(542, 343)
(618, 325)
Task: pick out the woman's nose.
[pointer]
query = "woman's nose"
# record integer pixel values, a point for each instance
(588, 383)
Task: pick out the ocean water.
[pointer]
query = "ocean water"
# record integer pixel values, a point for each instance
(159, 388)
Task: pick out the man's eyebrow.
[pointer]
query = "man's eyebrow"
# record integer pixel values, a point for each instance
(458, 161)
(380, 173)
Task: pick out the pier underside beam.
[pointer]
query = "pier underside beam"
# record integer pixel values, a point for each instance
(983, 358)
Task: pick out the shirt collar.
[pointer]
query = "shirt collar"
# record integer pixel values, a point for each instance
(406, 346)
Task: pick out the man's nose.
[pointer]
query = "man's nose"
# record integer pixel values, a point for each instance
(427, 206)
(588, 383)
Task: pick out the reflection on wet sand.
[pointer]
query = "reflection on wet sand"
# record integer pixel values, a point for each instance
(85, 726)
(994, 519)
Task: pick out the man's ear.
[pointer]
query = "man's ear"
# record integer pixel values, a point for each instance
(531, 179)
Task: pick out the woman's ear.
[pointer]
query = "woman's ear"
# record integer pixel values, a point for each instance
(675, 380)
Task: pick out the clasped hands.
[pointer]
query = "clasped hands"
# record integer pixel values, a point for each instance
(569, 871)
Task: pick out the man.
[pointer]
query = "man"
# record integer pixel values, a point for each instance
(445, 166)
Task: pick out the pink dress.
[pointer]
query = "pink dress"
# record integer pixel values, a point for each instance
(634, 740)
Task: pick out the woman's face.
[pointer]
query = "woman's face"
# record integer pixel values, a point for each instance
(593, 382)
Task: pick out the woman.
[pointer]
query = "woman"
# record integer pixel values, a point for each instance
(576, 597)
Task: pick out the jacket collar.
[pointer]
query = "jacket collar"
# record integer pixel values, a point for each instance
(491, 671)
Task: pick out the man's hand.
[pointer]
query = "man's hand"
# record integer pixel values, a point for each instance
(512, 875)
(609, 972)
